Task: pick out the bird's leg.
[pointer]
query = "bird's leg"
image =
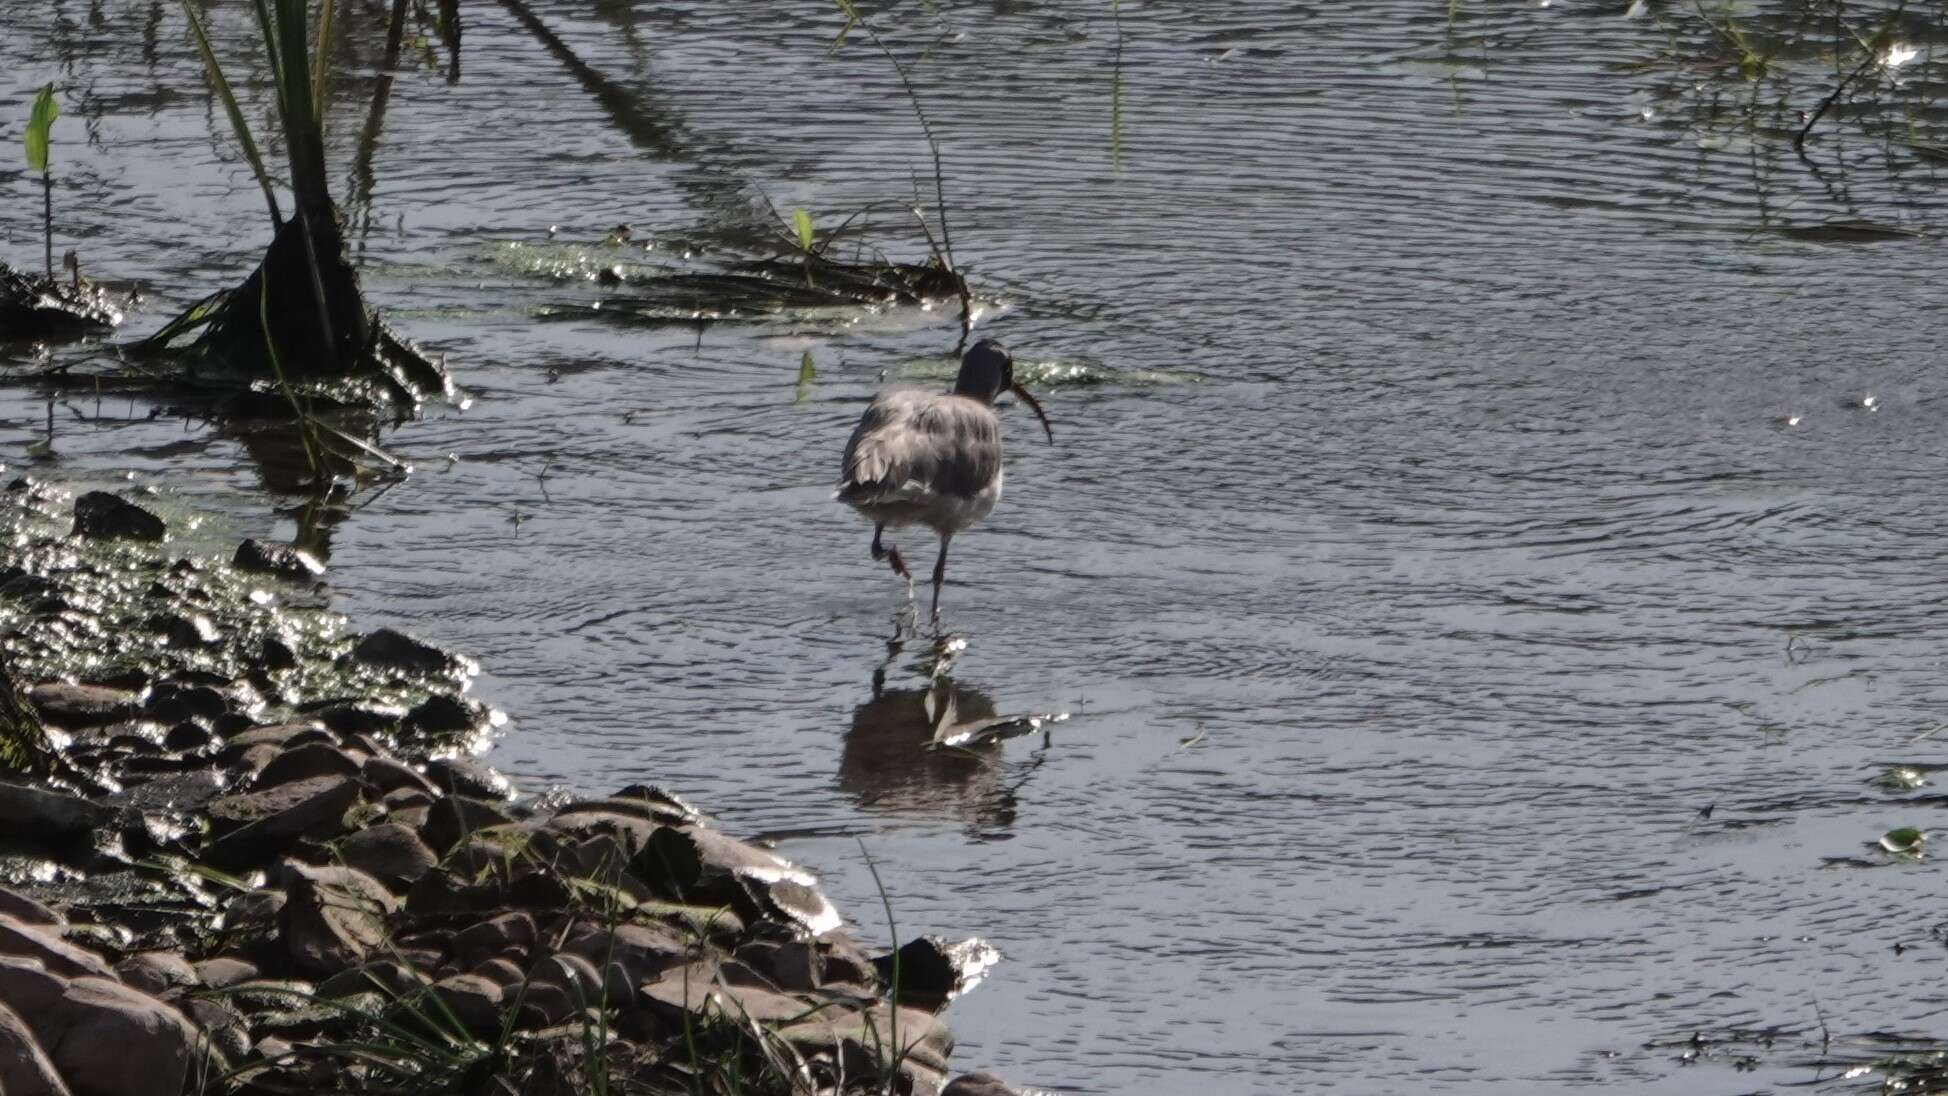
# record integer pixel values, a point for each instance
(889, 553)
(940, 576)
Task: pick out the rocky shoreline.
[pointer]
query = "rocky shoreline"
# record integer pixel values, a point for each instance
(243, 849)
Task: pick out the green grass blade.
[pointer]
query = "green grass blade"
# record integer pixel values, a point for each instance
(40, 127)
(802, 222)
(321, 68)
(230, 107)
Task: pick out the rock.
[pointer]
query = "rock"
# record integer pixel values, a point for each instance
(457, 776)
(475, 1001)
(978, 1084)
(59, 956)
(398, 651)
(169, 702)
(34, 812)
(178, 792)
(27, 911)
(156, 972)
(661, 801)
(260, 825)
(307, 762)
(153, 1044)
(277, 734)
(388, 775)
(674, 992)
(633, 806)
(543, 1004)
(24, 1067)
(103, 516)
(504, 973)
(801, 905)
(334, 918)
(386, 976)
(389, 852)
(509, 932)
(29, 988)
(442, 713)
(643, 950)
(282, 560)
(870, 1040)
(932, 971)
(225, 971)
(182, 631)
(793, 965)
(362, 718)
(632, 832)
(224, 1026)
(187, 736)
(75, 706)
(450, 820)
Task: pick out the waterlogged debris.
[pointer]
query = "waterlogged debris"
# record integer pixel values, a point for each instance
(1849, 232)
(1901, 778)
(104, 516)
(1906, 841)
(35, 307)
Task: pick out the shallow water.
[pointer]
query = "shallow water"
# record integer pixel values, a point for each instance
(1473, 415)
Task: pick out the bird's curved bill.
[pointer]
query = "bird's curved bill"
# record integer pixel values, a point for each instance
(1022, 394)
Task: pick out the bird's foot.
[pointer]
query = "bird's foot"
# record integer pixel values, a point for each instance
(898, 563)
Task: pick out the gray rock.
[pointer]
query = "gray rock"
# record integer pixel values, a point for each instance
(632, 831)
(74, 706)
(225, 971)
(282, 560)
(504, 973)
(253, 828)
(29, 988)
(103, 516)
(389, 977)
(157, 972)
(223, 1025)
(25, 1069)
(475, 1001)
(389, 852)
(41, 943)
(443, 713)
(497, 935)
(543, 1004)
(457, 776)
(979, 1084)
(153, 1044)
(643, 950)
(35, 812)
(306, 763)
(334, 918)
(388, 775)
(27, 911)
(450, 820)
(398, 651)
(276, 734)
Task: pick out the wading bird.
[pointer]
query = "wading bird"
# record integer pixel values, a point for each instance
(933, 458)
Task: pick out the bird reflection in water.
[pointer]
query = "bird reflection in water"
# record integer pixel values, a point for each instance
(895, 758)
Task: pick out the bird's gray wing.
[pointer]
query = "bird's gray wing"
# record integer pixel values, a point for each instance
(912, 444)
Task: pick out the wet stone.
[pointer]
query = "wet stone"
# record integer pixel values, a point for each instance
(497, 935)
(361, 718)
(157, 972)
(186, 736)
(445, 714)
(475, 1001)
(334, 917)
(224, 971)
(103, 516)
(457, 776)
(24, 1066)
(389, 649)
(282, 560)
(44, 944)
(74, 706)
(26, 911)
(451, 819)
(154, 1044)
(502, 972)
(305, 763)
(386, 976)
(387, 775)
(389, 852)
(185, 631)
(34, 812)
(224, 1026)
(256, 827)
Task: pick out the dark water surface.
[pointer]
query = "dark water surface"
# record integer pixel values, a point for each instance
(1455, 422)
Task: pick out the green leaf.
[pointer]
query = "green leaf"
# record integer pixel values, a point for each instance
(1905, 841)
(40, 127)
(805, 375)
(802, 221)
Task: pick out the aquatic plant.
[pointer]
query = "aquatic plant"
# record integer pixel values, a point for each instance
(40, 127)
(300, 319)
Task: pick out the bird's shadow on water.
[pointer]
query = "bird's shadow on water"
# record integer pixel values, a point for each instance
(934, 746)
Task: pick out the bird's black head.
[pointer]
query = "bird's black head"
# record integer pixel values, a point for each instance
(987, 370)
